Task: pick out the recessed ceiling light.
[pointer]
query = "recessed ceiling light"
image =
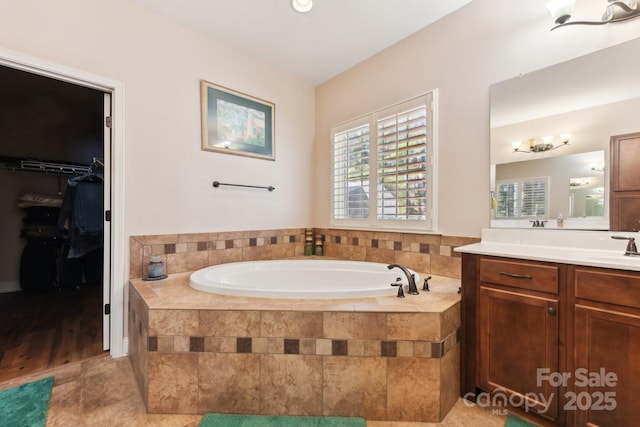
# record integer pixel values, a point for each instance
(302, 6)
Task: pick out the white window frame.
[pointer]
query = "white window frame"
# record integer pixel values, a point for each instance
(520, 196)
(372, 222)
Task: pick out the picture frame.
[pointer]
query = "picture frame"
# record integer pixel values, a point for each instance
(236, 123)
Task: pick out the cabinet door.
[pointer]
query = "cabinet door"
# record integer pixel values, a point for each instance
(625, 211)
(625, 155)
(624, 181)
(607, 342)
(519, 336)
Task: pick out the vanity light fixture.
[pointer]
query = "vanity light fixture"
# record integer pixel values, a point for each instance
(615, 11)
(540, 147)
(302, 6)
(578, 182)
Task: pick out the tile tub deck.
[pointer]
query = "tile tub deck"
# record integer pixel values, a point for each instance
(382, 358)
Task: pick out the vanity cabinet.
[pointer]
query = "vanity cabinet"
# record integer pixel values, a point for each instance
(562, 339)
(518, 331)
(607, 347)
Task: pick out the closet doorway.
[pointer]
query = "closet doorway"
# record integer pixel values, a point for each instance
(55, 172)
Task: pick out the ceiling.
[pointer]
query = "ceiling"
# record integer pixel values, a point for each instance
(334, 36)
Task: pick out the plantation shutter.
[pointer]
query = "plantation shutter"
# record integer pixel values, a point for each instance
(507, 200)
(384, 168)
(534, 197)
(402, 151)
(351, 171)
(522, 198)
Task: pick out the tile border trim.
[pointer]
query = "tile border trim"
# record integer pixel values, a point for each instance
(305, 346)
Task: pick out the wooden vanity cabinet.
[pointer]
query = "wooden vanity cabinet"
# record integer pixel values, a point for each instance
(517, 331)
(511, 317)
(607, 347)
(583, 322)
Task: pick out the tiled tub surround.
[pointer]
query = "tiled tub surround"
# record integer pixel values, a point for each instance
(381, 358)
(432, 254)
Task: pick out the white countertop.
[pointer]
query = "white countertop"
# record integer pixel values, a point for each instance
(589, 248)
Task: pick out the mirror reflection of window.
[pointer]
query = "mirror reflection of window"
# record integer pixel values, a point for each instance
(523, 198)
(569, 180)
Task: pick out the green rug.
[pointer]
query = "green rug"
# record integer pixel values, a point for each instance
(232, 420)
(26, 405)
(513, 421)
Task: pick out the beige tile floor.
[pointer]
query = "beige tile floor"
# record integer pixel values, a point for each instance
(102, 392)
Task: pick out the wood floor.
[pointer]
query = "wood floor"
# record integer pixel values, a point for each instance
(40, 331)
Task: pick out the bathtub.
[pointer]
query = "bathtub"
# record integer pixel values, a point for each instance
(314, 279)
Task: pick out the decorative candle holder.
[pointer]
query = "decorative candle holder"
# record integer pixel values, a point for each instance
(318, 250)
(308, 242)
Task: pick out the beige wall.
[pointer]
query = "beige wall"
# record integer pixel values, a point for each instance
(461, 55)
(168, 178)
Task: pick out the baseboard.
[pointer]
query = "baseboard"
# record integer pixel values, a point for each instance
(12, 286)
(125, 346)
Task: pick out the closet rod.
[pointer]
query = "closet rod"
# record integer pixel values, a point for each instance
(217, 184)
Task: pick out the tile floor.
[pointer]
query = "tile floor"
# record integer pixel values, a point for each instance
(102, 392)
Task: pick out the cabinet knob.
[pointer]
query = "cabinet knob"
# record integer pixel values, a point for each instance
(551, 310)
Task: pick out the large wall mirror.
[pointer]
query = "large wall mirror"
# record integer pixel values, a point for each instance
(550, 134)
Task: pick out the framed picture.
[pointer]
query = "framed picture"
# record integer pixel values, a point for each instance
(236, 123)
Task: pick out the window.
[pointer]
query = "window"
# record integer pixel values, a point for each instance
(383, 168)
(522, 198)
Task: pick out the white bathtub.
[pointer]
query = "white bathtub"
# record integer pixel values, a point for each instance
(314, 279)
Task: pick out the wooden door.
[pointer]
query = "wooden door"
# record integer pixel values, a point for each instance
(519, 336)
(607, 344)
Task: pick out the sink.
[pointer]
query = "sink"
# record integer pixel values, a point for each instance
(615, 259)
(607, 257)
(611, 257)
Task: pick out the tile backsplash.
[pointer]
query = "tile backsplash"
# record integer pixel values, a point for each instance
(425, 253)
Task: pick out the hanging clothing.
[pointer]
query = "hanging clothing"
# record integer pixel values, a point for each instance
(81, 214)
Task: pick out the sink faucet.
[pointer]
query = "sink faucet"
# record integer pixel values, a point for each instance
(413, 290)
(538, 223)
(631, 250)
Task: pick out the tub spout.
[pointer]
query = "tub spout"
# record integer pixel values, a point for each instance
(413, 289)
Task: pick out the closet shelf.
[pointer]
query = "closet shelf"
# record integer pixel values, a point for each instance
(43, 166)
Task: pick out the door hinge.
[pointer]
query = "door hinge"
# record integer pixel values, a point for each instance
(107, 121)
(107, 309)
(107, 215)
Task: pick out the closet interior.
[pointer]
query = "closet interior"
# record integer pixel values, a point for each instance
(51, 219)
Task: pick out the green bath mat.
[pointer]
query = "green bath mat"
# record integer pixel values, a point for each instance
(513, 421)
(232, 420)
(26, 405)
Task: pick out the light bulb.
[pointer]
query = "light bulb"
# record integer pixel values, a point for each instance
(302, 6)
(560, 10)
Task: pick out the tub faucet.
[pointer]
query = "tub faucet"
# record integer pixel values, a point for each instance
(413, 290)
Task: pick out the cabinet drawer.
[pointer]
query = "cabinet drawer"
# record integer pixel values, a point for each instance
(612, 287)
(519, 274)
